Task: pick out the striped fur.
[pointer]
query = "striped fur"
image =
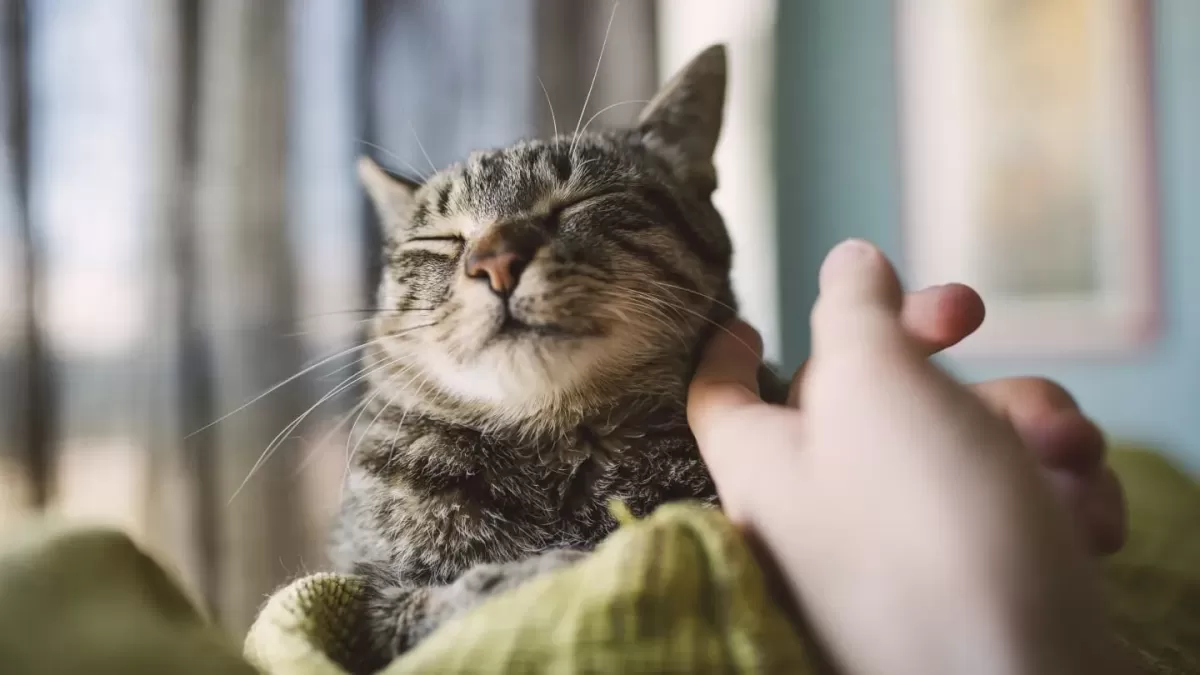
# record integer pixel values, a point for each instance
(502, 427)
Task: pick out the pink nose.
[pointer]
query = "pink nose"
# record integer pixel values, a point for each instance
(502, 268)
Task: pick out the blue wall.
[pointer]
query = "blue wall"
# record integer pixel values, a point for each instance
(838, 173)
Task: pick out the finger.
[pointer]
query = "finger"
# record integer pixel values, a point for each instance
(936, 318)
(1048, 420)
(1063, 440)
(727, 377)
(797, 385)
(940, 317)
(859, 303)
(1019, 394)
(723, 401)
(1097, 507)
(1106, 511)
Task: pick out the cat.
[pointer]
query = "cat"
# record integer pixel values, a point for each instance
(541, 312)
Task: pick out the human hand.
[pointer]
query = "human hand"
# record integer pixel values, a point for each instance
(1069, 447)
(907, 517)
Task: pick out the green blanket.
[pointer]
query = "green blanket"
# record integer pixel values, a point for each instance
(676, 592)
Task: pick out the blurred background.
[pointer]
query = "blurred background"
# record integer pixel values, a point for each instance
(181, 229)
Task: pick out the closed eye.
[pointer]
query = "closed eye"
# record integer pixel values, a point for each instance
(574, 204)
(449, 245)
(595, 195)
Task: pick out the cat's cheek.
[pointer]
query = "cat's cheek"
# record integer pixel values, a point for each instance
(390, 292)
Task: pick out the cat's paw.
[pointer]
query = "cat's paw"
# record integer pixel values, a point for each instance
(484, 581)
(395, 617)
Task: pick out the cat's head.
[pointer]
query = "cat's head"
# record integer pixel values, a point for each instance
(544, 275)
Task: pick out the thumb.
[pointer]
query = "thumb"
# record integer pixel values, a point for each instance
(859, 303)
(724, 406)
(726, 379)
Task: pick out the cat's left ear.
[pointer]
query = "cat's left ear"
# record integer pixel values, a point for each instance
(684, 118)
(393, 195)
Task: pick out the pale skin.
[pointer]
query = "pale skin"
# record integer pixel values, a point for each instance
(922, 526)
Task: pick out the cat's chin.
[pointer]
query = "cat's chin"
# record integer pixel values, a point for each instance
(524, 366)
(513, 329)
(515, 369)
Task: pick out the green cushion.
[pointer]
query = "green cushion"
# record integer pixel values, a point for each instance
(87, 600)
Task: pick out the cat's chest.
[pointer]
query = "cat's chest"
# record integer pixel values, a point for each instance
(597, 464)
(554, 482)
(449, 498)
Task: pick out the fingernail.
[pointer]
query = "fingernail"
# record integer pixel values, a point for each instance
(852, 249)
(857, 272)
(846, 258)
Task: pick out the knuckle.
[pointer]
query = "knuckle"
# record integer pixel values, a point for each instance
(1029, 394)
(1049, 392)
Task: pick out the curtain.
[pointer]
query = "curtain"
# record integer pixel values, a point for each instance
(25, 424)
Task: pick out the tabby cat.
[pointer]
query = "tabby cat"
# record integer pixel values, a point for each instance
(542, 309)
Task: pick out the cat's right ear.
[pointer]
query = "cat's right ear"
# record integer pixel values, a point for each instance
(684, 118)
(393, 196)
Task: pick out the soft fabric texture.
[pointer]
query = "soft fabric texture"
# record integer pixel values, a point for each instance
(675, 592)
(1154, 582)
(88, 601)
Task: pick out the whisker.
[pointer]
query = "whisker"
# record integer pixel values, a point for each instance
(374, 395)
(553, 118)
(350, 436)
(351, 453)
(642, 309)
(396, 433)
(308, 369)
(291, 426)
(584, 163)
(656, 316)
(695, 292)
(302, 333)
(289, 380)
(357, 322)
(422, 147)
(331, 373)
(329, 435)
(667, 303)
(596, 74)
(368, 310)
(396, 157)
(397, 333)
(606, 109)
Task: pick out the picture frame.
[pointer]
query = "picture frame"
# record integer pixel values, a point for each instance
(1027, 159)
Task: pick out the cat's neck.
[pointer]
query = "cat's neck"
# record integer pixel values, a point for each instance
(653, 396)
(424, 432)
(551, 424)
(546, 424)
